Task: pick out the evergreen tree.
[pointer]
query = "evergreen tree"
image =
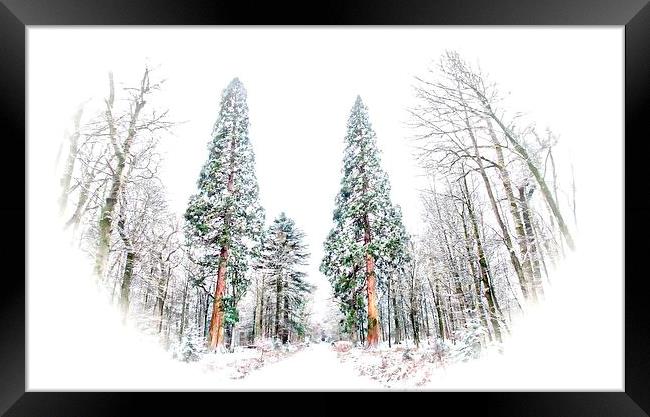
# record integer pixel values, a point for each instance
(224, 218)
(283, 252)
(368, 236)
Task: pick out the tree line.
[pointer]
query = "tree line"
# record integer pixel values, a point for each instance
(181, 278)
(494, 223)
(496, 210)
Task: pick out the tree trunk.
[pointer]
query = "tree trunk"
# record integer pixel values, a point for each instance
(530, 234)
(403, 316)
(278, 305)
(362, 336)
(460, 296)
(204, 308)
(438, 313)
(504, 230)
(260, 331)
(540, 180)
(285, 326)
(269, 317)
(414, 322)
(475, 275)
(388, 309)
(216, 322)
(106, 216)
(527, 268)
(232, 327)
(396, 317)
(70, 161)
(442, 325)
(426, 317)
(84, 194)
(128, 268)
(183, 309)
(126, 284)
(162, 296)
(485, 277)
(105, 232)
(414, 303)
(371, 284)
(382, 321)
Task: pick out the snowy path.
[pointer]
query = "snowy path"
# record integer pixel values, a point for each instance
(314, 368)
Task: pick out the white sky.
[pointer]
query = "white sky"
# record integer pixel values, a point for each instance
(301, 85)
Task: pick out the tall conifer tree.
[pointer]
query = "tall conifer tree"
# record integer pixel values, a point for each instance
(368, 235)
(224, 218)
(284, 252)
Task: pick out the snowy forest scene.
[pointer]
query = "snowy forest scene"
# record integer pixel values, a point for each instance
(325, 208)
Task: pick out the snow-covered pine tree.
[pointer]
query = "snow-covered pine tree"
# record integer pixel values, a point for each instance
(224, 218)
(283, 253)
(368, 235)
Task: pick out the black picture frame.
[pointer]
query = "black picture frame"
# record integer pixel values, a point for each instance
(15, 15)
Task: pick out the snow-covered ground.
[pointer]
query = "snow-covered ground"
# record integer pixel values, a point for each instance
(75, 341)
(399, 367)
(314, 368)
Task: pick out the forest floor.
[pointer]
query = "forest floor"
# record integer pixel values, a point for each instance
(315, 367)
(322, 366)
(399, 367)
(243, 361)
(327, 367)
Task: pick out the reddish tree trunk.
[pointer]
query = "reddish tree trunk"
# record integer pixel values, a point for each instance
(371, 281)
(373, 320)
(216, 323)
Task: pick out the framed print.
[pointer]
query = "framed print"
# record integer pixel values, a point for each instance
(410, 197)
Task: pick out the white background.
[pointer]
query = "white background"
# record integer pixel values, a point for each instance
(301, 86)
